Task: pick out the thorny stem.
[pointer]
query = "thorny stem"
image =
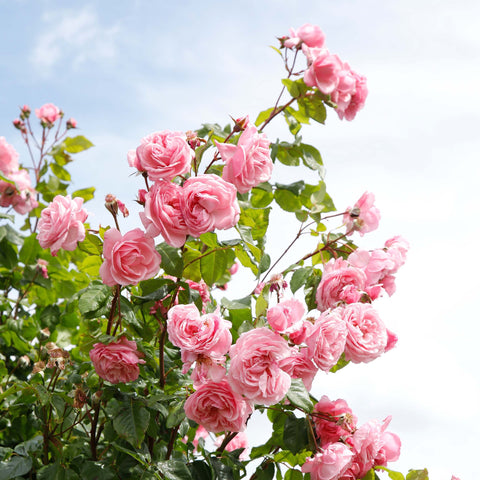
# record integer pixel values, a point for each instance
(173, 436)
(228, 438)
(119, 320)
(112, 310)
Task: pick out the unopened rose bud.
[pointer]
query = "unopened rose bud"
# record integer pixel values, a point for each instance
(71, 123)
(234, 268)
(192, 139)
(25, 112)
(17, 123)
(96, 397)
(282, 41)
(44, 334)
(241, 123)
(142, 197)
(111, 204)
(24, 361)
(42, 266)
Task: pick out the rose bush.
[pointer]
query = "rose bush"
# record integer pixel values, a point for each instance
(124, 354)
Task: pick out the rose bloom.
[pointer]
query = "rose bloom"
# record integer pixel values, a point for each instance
(300, 365)
(323, 71)
(61, 224)
(330, 464)
(208, 335)
(215, 406)
(48, 113)
(20, 195)
(367, 336)
(326, 340)
(310, 35)
(164, 155)
(208, 369)
(128, 259)
(333, 419)
(163, 214)
(248, 163)
(8, 157)
(285, 314)
(255, 368)
(363, 217)
(341, 283)
(207, 203)
(118, 361)
(348, 106)
(371, 445)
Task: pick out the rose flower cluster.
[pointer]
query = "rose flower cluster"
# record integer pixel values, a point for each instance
(327, 72)
(16, 189)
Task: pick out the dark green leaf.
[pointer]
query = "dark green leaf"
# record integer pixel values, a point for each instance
(265, 471)
(174, 470)
(200, 471)
(15, 467)
(172, 261)
(77, 144)
(8, 255)
(131, 423)
(295, 434)
(299, 396)
(93, 298)
(94, 471)
(299, 278)
(213, 265)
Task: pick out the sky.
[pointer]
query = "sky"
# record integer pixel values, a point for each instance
(124, 69)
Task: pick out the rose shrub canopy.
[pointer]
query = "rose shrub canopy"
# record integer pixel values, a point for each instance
(121, 354)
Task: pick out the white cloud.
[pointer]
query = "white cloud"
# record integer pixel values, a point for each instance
(73, 36)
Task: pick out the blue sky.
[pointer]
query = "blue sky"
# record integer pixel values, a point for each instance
(126, 68)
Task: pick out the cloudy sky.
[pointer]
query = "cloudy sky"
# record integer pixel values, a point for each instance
(126, 68)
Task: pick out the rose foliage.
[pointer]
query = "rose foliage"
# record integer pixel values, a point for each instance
(121, 354)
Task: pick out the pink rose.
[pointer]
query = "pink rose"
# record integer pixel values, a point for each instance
(323, 71)
(208, 335)
(164, 155)
(215, 406)
(255, 368)
(350, 102)
(248, 163)
(61, 224)
(8, 157)
(299, 332)
(20, 194)
(285, 314)
(376, 264)
(163, 214)
(208, 369)
(118, 361)
(367, 336)
(341, 283)
(128, 259)
(363, 217)
(300, 365)
(310, 35)
(330, 464)
(397, 248)
(207, 203)
(367, 443)
(48, 113)
(326, 340)
(390, 450)
(334, 420)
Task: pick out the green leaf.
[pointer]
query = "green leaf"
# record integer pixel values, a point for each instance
(60, 172)
(91, 265)
(131, 423)
(287, 200)
(262, 116)
(8, 255)
(16, 466)
(77, 144)
(295, 434)
(85, 193)
(30, 250)
(340, 364)
(93, 298)
(265, 472)
(92, 245)
(299, 396)
(370, 475)
(261, 198)
(172, 260)
(200, 470)
(174, 470)
(299, 278)
(213, 265)
(56, 471)
(94, 471)
(295, 88)
(9, 233)
(313, 107)
(392, 474)
(292, 474)
(417, 474)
